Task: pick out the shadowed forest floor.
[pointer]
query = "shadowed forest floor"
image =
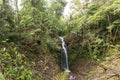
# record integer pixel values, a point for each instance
(108, 69)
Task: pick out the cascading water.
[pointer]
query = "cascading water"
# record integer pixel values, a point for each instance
(64, 57)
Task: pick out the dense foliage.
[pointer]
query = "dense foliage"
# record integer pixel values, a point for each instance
(90, 31)
(95, 31)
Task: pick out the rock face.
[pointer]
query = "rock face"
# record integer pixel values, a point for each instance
(82, 69)
(108, 69)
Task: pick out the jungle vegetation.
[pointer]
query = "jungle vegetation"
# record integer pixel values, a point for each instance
(90, 30)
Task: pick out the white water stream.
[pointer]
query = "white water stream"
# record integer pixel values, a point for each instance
(64, 56)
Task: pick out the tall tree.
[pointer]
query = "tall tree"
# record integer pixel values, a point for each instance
(7, 14)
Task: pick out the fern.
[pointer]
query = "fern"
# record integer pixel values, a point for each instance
(62, 76)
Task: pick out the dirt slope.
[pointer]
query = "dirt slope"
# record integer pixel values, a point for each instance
(107, 69)
(82, 69)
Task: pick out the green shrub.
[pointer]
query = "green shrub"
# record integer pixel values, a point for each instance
(14, 64)
(1, 76)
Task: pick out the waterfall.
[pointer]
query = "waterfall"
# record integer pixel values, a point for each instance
(64, 57)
